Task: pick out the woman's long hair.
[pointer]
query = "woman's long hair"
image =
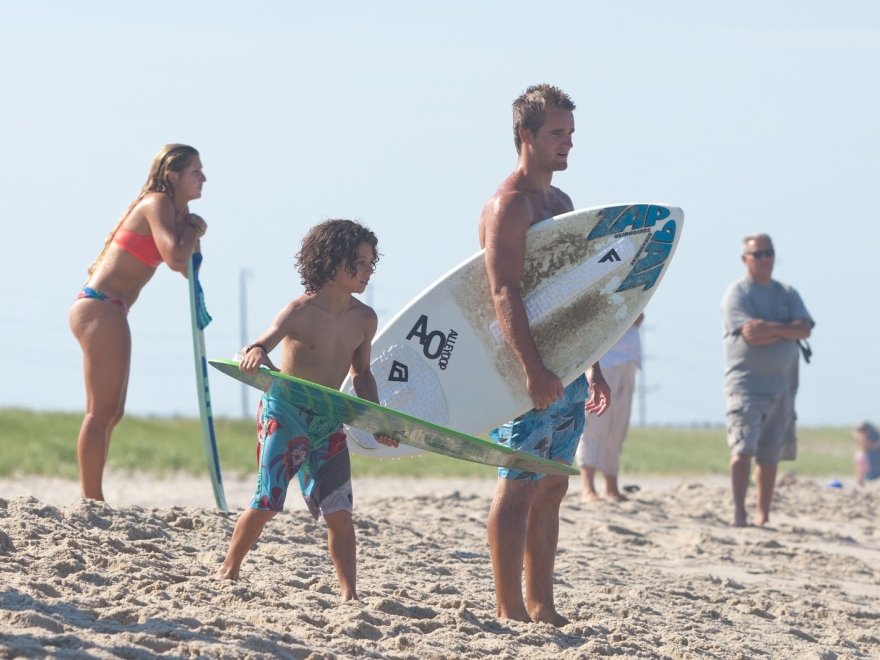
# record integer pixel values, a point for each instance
(171, 158)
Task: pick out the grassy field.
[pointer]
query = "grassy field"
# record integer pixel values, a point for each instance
(45, 444)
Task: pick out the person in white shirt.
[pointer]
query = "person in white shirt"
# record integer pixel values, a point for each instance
(603, 437)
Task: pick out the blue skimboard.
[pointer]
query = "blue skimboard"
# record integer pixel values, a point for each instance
(413, 431)
(200, 319)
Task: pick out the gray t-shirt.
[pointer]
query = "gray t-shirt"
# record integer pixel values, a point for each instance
(760, 369)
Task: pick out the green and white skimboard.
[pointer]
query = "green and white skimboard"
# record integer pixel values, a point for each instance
(404, 428)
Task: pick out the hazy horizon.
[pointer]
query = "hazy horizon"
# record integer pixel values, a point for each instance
(754, 117)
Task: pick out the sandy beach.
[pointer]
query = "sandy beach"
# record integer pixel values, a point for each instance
(660, 576)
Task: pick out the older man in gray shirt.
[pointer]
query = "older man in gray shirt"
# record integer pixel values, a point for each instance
(763, 321)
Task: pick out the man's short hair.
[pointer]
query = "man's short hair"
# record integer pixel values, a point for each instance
(754, 237)
(530, 108)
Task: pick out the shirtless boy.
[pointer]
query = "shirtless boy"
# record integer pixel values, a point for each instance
(324, 334)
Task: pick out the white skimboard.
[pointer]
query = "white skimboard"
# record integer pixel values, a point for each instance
(588, 274)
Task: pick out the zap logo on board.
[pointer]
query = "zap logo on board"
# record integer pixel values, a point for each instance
(435, 344)
(623, 220)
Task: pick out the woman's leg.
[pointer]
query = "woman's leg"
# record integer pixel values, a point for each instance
(104, 336)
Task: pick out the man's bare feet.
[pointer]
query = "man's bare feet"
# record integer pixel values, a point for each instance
(740, 519)
(590, 496)
(617, 496)
(519, 615)
(550, 616)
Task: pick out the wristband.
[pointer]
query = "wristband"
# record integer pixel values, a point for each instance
(247, 349)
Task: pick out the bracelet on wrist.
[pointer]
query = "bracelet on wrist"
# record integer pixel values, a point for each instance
(247, 349)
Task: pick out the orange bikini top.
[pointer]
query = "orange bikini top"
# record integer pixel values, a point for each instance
(142, 247)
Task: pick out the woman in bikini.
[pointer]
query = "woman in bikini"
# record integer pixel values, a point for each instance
(156, 228)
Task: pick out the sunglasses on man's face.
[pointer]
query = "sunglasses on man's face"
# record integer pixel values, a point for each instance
(758, 254)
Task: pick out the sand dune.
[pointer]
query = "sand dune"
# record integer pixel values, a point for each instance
(663, 575)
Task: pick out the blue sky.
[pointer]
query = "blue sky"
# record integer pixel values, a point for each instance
(759, 116)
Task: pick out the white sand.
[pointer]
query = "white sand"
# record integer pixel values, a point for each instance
(661, 576)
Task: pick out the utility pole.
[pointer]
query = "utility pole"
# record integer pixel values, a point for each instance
(371, 291)
(243, 275)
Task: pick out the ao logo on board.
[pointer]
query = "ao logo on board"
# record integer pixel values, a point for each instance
(435, 344)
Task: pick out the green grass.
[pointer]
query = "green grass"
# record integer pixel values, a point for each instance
(822, 451)
(33, 443)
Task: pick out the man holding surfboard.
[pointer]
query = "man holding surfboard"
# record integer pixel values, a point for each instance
(523, 523)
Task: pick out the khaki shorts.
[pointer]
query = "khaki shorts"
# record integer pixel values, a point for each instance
(760, 425)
